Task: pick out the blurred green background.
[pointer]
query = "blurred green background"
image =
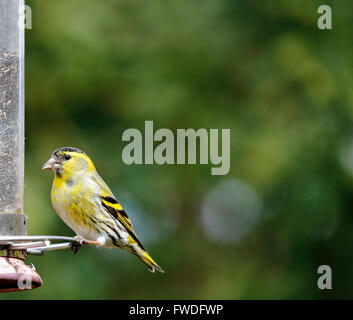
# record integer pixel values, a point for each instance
(261, 68)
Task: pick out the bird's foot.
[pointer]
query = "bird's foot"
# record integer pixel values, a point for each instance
(75, 246)
(81, 241)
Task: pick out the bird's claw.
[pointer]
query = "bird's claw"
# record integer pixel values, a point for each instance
(80, 242)
(75, 246)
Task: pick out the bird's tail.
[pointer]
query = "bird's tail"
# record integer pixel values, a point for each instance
(147, 260)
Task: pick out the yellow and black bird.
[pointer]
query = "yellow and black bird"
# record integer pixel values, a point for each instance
(86, 204)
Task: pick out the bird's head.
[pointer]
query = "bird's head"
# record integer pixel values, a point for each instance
(68, 161)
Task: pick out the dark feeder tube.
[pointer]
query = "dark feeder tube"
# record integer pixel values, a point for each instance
(15, 275)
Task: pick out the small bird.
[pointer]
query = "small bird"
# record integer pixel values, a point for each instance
(85, 203)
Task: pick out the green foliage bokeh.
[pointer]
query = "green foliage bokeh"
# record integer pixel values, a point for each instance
(261, 68)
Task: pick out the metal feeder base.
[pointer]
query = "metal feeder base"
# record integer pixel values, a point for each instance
(15, 275)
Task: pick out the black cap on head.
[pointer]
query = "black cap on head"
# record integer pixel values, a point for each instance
(67, 149)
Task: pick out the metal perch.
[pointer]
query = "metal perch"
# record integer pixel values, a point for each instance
(38, 245)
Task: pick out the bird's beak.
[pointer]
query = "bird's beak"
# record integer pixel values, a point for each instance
(49, 165)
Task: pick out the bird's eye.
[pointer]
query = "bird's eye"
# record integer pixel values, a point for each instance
(67, 157)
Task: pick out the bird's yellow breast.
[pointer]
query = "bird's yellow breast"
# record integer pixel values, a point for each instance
(72, 199)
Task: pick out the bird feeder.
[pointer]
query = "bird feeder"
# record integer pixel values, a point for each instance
(14, 274)
(15, 244)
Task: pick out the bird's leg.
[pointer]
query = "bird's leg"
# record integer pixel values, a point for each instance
(81, 241)
(93, 243)
(75, 246)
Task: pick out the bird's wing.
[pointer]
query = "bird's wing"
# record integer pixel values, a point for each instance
(114, 208)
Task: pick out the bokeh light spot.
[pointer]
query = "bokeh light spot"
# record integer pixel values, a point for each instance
(230, 210)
